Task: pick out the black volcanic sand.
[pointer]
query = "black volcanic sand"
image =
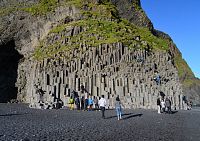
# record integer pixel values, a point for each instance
(20, 123)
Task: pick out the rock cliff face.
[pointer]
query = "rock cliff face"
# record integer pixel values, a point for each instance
(51, 48)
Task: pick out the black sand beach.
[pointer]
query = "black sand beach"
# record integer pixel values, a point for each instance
(20, 123)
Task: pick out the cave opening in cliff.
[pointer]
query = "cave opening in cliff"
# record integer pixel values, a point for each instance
(9, 60)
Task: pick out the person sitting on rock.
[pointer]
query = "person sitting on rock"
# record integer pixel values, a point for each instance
(158, 79)
(190, 103)
(58, 103)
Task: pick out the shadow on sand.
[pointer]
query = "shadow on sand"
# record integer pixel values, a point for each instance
(7, 115)
(172, 112)
(125, 116)
(130, 116)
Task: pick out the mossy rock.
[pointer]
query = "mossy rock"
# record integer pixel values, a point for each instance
(100, 29)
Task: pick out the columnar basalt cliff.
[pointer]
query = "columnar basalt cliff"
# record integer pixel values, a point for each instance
(93, 46)
(110, 70)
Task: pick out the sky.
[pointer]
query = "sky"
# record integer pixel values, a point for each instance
(181, 20)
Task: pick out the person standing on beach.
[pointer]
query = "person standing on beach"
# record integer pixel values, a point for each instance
(77, 102)
(163, 106)
(82, 103)
(158, 105)
(86, 101)
(90, 103)
(102, 104)
(96, 105)
(71, 103)
(118, 107)
(168, 105)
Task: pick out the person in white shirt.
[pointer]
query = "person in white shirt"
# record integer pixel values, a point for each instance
(163, 106)
(102, 104)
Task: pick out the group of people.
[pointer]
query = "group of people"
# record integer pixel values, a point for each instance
(84, 103)
(164, 105)
(89, 104)
(189, 105)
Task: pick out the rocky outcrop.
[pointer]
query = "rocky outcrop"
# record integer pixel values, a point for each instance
(132, 11)
(74, 48)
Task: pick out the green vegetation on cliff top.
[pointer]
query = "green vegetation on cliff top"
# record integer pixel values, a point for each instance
(100, 25)
(98, 32)
(42, 7)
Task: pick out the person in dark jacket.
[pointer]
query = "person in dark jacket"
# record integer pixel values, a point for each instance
(96, 105)
(77, 102)
(158, 105)
(168, 105)
(82, 103)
